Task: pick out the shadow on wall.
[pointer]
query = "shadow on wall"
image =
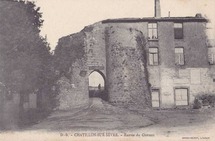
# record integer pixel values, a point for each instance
(98, 93)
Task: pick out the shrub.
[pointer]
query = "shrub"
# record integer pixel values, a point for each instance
(197, 104)
(204, 100)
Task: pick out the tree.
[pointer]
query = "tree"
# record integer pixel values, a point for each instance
(24, 54)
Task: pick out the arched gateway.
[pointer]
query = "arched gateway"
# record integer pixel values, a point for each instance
(97, 85)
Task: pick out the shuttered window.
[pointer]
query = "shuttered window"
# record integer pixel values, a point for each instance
(179, 56)
(178, 30)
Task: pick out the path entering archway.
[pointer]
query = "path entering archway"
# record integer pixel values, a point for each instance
(97, 85)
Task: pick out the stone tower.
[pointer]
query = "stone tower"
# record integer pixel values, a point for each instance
(127, 81)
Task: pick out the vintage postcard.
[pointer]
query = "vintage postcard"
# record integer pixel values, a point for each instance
(139, 70)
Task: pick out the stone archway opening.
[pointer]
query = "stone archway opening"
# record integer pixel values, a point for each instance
(97, 85)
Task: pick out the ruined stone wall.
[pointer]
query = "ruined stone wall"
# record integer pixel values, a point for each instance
(73, 83)
(112, 50)
(73, 92)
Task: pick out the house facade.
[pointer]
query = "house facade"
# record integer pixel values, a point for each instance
(160, 62)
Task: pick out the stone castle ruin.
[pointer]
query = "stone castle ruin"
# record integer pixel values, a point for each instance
(159, 62)
(118, 55)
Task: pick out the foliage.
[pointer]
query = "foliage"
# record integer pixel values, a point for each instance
(25, 61)
(24, 54)
(204, 100)
(141, 46)
(197, 104)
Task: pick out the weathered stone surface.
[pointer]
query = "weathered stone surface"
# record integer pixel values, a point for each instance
(115, 54)
(111, 48)
(127, 81)
(73, 84)
(70, 94)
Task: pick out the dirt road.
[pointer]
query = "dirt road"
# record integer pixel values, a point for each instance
(98, 116)
(101, 116)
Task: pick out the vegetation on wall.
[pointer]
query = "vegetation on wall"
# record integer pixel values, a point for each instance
(205, 100)
(68, 50)
(141, 46)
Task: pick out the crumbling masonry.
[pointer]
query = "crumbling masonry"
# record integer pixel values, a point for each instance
(117, 53)
(159, 62)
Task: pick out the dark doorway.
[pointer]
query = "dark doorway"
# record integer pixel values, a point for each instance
(97, 85)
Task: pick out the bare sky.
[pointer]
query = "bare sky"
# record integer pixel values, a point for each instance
(64, 17)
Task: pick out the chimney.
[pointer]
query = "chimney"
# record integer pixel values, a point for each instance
(198, 15)
(157, 9)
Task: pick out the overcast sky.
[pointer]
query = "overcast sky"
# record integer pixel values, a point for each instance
(64, 17)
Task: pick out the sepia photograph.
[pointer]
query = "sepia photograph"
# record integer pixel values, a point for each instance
(113, 70)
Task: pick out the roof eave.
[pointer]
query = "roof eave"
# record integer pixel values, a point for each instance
(170, 19)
